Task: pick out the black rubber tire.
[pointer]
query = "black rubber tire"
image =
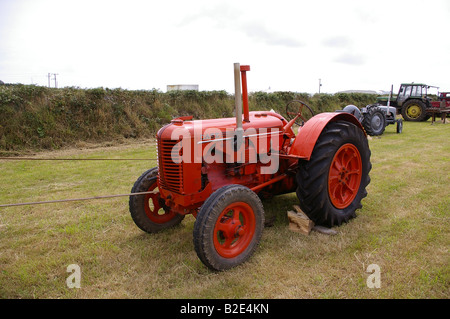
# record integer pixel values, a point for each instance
(399, 126)
(422, 116)
(312, 176)
(137, 204)
(207, 217)
(374, 121)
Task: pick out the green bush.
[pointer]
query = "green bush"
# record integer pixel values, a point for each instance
(34, 117)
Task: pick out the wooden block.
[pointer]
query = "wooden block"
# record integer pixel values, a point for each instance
(299, 222)
(300, 212)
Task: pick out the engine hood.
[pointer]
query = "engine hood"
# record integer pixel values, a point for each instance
(197, 128)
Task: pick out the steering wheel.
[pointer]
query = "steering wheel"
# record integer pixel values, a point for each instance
(297, 107)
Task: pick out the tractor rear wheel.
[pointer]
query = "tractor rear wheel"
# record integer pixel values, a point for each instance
(333, 182)
(228, 227)
(414, 110)
(149, 211)
(374, 121)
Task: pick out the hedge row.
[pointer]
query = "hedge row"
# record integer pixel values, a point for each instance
(35, 117)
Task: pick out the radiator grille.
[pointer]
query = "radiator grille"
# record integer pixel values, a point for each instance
(170, 173)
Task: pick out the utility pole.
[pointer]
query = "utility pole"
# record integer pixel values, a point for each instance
(320, 84)
(55, 74)
(54, 79)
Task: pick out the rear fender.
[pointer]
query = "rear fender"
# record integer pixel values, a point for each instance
(307, 136)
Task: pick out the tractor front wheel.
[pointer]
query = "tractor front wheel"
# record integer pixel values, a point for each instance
(399, 126)
(333, 182)
(228, 227)
(374, 121)
(149, 211)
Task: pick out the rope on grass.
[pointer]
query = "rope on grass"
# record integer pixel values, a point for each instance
(76, 199)
(75, 159)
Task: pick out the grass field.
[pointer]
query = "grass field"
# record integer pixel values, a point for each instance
(403, 227)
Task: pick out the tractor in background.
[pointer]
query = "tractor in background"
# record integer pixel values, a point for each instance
(375, 117)
(218, 170)
(413, 101)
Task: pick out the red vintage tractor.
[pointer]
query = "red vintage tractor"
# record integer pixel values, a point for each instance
(219, 169)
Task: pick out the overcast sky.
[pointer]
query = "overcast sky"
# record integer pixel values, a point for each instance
(289, 45)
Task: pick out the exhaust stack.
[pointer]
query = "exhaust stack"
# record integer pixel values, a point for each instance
(237, 96)
(238, 104)
(239, 100)
(244, 69)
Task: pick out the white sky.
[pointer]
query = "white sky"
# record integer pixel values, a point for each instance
(289, 45)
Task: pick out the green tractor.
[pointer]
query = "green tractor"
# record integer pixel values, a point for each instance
(411, 101)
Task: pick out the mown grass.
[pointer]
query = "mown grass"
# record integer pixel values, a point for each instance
(403, 227)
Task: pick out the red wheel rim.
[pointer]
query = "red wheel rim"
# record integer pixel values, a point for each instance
(154, 207)
(234, 230)
(344, 177)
